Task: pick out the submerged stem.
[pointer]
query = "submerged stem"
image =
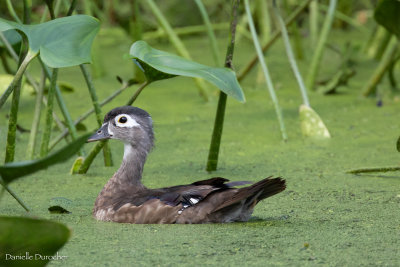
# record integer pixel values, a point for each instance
(368, 170)
(265, 71)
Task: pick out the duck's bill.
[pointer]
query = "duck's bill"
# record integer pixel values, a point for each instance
(101, 134)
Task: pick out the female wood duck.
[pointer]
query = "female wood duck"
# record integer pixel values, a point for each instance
(125, 199)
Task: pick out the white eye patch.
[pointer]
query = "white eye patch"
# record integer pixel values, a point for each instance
(124, 120)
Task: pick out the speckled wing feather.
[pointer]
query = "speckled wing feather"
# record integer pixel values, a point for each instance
(153, 211)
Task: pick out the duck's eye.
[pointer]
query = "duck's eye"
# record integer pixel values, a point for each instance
(123, 119)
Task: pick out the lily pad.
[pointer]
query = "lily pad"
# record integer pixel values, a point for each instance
(311, 124)
(387, 14)
(14, 170)
(34, 241)
(158, 65)
(62, 42)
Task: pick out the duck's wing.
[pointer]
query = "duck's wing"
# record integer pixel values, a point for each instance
(190, 195)
(163, 205)
(232, 204)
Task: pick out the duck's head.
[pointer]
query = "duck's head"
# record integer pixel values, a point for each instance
(129, 124)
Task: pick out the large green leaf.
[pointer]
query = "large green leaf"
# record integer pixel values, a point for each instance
(14, 170)
(387, 13)
(34, 241)
(158, 65)
(12, 37)
(62, 42)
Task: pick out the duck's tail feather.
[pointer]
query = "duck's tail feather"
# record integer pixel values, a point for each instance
(256, 192)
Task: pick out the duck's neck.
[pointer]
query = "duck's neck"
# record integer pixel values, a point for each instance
(131, 169)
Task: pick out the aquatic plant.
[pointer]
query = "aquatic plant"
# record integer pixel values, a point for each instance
(311, 123)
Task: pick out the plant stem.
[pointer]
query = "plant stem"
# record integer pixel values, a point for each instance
(313, 22)
(383, 66)
(265, 71)
(87, 162)
(97, 109)
(249, 66)
(12, 11)
(378, 43)
(316, 60)
(49, 118)
(5, 64)
(212, 161)
(184, 30)
(290, 55)
(137, 93)
(29, 78)
(63, 107)
(50, 7)
(87, 114)
(71, 8)
(367, 170)
(177, 43)
(210, 32)
(343, 17)
(391, 75)
(27, 11)
(36, 118)
(17, 77)
(136, 33)
(12, 121)
(13, 194)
